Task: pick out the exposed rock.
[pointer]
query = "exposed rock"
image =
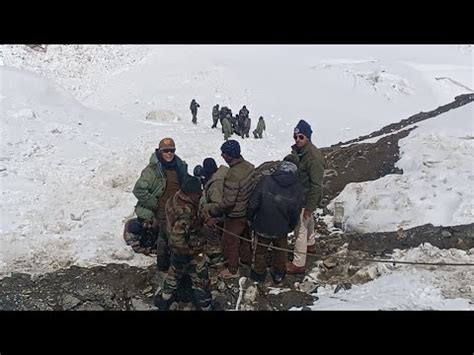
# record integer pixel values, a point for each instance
(69, 302)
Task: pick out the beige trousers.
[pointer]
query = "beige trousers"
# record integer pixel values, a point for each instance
(304, 233)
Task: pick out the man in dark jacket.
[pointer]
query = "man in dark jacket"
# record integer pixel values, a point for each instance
(273, 211)
(244, 112)
(194, 109)
(162, 177)
(215, 116)
(238, 184)
(310, 173)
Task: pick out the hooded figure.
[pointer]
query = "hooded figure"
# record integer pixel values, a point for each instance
(273, 210)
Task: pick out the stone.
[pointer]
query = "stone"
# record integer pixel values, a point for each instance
(139, 305)
(147, 289)
(330, 262)
(69, 302)
(88, 306)
(446, 234)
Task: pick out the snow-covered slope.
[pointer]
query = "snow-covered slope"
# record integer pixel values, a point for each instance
(437, 185)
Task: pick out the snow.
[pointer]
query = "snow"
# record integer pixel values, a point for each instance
(75, 134)
(407, 287)
(437, 185)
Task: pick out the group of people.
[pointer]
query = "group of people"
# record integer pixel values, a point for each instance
(199, 218)
(239, 124)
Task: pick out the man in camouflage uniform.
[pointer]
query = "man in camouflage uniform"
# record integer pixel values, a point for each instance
(186, 242)
(257, 133)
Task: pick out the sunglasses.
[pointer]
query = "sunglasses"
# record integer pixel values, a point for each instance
(299, 137)
(168, 150)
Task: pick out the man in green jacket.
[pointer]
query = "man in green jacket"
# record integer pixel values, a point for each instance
(257, 133)
(310, 173)
(227, 127)
(238, 185)
(162, 177)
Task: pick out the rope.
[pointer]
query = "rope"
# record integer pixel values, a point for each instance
(349, 258)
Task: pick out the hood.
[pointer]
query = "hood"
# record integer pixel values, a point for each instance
(154, 158)
(283, 178)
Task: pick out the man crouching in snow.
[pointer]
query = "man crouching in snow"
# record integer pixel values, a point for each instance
(186, 242)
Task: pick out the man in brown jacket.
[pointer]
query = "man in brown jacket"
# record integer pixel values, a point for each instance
(238, 184)
(310, 174)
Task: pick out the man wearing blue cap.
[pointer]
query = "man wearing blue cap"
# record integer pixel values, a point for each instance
(238, 184)
(310, 173)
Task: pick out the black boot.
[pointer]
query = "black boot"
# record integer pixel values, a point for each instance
(161, 304)
(257, 277)
(277, 276)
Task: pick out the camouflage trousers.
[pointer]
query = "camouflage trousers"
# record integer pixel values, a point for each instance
(196, 266)
(162, 247)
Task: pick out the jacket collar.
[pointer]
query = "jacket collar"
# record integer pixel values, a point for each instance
(236, 161)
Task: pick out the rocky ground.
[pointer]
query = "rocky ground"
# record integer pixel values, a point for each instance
(122, 287)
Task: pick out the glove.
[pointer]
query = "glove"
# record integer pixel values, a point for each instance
(306, 214)
(211, 222)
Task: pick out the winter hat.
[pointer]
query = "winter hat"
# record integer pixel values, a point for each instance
(303, 127)
(209, 167)
(167, 143)
(288, 167)
(198, 171)
(231, 148)
(191, 184)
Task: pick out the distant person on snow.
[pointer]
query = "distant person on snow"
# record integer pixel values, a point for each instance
(247, 125)
(194, 110)
(227, 127)
(215, 116)
(310, 174)
(161, 178)
(257, 133)
(244, 112)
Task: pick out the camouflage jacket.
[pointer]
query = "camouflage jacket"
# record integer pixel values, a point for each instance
(184, 229)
